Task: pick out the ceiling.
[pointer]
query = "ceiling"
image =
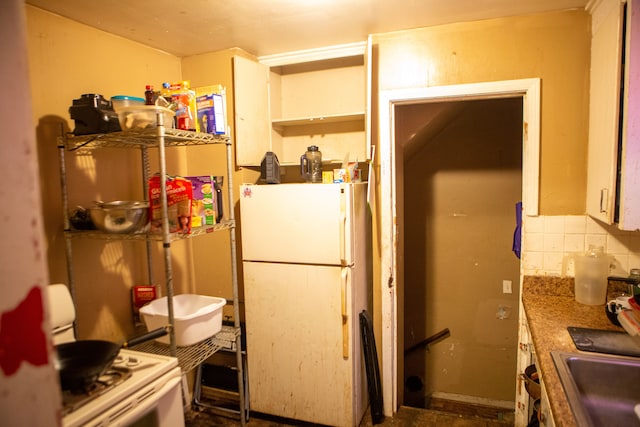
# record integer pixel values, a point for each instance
(265, 27)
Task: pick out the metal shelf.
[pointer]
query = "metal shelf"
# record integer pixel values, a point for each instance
(190, 357)
(160, 138)
(142, 138)
(195, 232)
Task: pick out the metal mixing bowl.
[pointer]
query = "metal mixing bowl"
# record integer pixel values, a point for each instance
(120, 216)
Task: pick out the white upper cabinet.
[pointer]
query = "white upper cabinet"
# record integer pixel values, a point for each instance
(251, 101)
(287, 102)
(604, 105)
(613, 180)
(629, 213)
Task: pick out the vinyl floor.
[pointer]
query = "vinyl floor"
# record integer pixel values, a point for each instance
(447, 414)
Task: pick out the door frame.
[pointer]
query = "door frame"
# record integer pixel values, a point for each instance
(529, 90)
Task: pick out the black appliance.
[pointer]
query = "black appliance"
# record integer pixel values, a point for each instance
(93, 114)
(270, 168)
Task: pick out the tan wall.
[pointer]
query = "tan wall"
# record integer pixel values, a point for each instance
(553, 46)
(460, 189)
(211, 254)
(67, 59)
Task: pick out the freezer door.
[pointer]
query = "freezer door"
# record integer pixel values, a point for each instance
(301, 223)
(303, 343)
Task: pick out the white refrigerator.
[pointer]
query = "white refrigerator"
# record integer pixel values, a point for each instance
(305, 266)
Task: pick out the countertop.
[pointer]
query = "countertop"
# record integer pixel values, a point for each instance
(550, 308)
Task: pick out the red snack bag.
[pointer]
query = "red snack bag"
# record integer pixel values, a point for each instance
(179, 198)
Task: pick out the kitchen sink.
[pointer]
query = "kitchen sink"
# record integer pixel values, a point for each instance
(602, 390)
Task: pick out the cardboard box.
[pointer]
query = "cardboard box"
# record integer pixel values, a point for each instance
(210, 105)
(203, 210)
(350, 174)
(141, 295)
(341, 175)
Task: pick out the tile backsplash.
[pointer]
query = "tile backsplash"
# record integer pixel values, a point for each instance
(547, 240)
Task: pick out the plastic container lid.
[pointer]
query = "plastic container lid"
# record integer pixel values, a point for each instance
(122, 101)
(127, 98)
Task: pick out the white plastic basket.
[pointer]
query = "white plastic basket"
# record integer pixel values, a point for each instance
(196, 317)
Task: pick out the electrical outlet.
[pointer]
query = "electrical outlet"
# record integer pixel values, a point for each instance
(506, 287)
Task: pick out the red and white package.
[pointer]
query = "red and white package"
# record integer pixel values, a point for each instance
(141, 295)
(179, 198)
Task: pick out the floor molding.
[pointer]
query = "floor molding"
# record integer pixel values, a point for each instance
(505, 404)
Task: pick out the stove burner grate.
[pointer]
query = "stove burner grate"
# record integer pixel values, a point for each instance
(72, 400)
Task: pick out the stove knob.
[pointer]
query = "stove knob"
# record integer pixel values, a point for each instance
(133, 361)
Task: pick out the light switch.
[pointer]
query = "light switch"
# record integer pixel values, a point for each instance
(506, 286)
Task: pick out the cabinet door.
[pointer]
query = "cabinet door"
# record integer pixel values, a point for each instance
(630, 162)
(546, 416)
(525, 358)
(606, 54)
(252, 122)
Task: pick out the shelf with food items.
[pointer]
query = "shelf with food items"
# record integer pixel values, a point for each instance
(194, 208)
(146, 126)
(141, 137)
(173, 208)
(177, 116)
(145, 235)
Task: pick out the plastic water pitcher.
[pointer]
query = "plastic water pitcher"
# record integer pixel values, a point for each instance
(311, 164)
(591, 272)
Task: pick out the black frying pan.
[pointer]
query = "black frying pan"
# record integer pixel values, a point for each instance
(81, 363)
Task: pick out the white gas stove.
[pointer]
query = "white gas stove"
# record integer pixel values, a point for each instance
(140, 386)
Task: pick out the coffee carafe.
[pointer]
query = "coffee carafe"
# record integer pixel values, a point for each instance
(311, 164)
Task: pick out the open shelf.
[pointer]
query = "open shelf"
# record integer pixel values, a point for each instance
(331, 118)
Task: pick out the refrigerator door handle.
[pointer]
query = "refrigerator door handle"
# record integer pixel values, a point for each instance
(343, 227)
(345, 315)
